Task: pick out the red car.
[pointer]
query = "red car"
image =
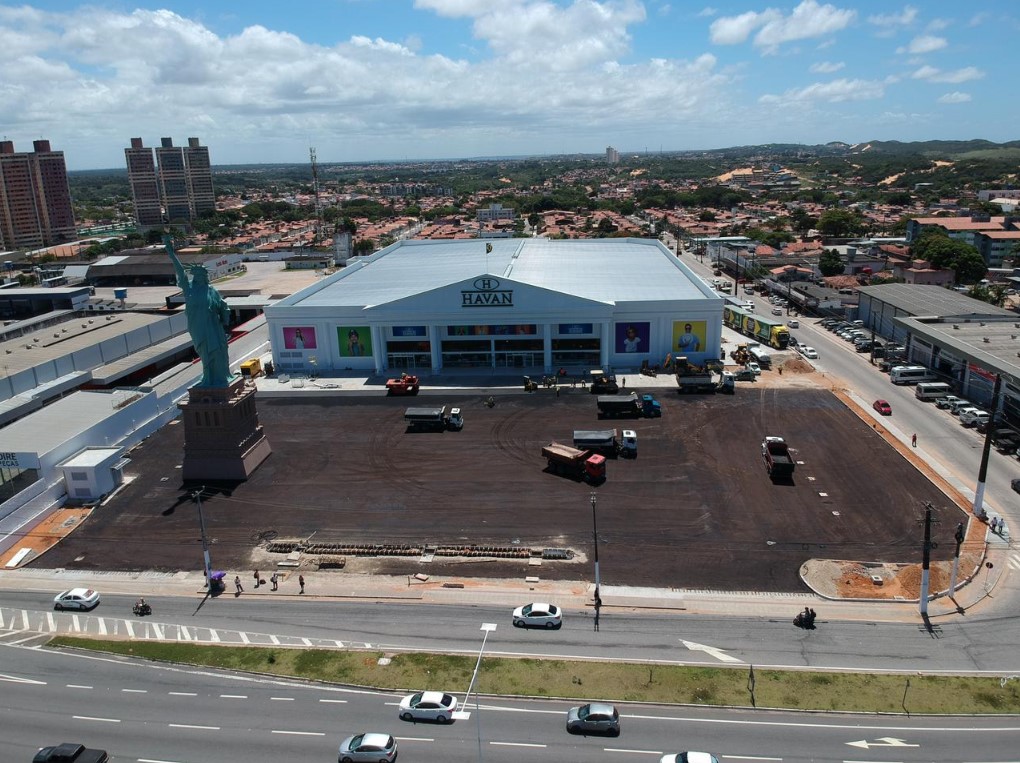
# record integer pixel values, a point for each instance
(882, 407)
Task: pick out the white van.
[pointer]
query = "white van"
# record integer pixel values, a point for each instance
(909, 374)
(932, 390)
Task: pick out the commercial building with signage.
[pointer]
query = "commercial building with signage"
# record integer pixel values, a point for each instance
(525, 303)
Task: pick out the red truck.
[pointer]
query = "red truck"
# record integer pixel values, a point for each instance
(405, 385)
(575, 463)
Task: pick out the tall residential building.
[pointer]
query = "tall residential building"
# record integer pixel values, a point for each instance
(612, 155)
(171, 184)
(35, 200)
(141, 169)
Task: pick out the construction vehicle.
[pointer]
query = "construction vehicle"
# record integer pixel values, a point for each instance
(530, 385)
(630, 405)
(575, 463)
(251, 369)
(607, 441)
(693, 378)
(405, 385)
(740, 354)
(776, 455)
(433, 419)
(603, 383)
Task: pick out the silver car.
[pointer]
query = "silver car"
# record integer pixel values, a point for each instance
(689, 757)
(428, 706)
(370, 747)
(76, 598)
(594, 718)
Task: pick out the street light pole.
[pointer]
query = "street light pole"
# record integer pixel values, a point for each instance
(197, 496)
(463, 714)
(595, 532)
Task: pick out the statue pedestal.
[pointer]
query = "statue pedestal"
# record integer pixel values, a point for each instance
(223, 440)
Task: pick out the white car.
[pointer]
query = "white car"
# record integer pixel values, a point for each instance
(754, 368)
(538, 615)
(76, 598)
(777, 311)
(809, 352)
(793, 323)
(428, 706)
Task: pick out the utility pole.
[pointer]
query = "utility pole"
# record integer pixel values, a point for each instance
(319, 224)
(979, 493)
(926, 559)
(595, 529)
(197, 497)
(959, 535)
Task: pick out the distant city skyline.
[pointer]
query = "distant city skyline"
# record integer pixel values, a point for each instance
(396, 80)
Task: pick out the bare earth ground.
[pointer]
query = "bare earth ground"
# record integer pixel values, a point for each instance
(694, 510)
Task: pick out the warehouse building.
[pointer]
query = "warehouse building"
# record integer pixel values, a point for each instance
(524, 303)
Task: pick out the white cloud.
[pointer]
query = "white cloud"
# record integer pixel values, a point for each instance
(832, 92)
(905, 17)
(827, 67)
(707, 11)
(955, 97)
(807, 20)
(933, 74)
(979, 18)
(925, 43)
(937, 25)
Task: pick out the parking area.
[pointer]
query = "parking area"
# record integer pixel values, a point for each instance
(695, 509)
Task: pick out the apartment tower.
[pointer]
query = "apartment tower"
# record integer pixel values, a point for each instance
(35, 200)
(172, 184)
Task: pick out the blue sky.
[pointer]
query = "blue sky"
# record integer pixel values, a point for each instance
(365, 80)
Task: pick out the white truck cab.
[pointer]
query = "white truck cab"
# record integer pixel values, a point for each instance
(628, 444)
(455, 420)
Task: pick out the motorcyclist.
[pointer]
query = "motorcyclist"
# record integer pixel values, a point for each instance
(141, 607)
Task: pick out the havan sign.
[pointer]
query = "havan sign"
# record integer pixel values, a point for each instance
(487, 294)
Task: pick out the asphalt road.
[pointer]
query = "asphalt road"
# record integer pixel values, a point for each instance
(160, 714)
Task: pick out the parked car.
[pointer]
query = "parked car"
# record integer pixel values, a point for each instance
(793, 323)
(971, 418)
(371, 747)
(76, 598)
(809, 352)
(70, 752)
(754, 368)
(689, 757)
(744, 374)
(428, 706)
(777, 311)
(538, 615)
(1015, 484)
(882, 407)
(960, 405)
(948, 401)
(594, 718)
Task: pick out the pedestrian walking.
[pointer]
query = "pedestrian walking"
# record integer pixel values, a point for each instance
(301, 582)
(624, 385)
(275, 580)
(237, 584)
(997, 525)
(256, 578)
(913, 440)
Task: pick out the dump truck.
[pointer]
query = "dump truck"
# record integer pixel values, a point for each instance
(615, 405)
(650, 407)
(603, 382)
(692, 378)
(606, 441)
(433, 419)
(575, 463)
(776, 455)
(405, 385)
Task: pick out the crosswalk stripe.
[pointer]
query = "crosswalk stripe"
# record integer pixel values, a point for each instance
(214, 636)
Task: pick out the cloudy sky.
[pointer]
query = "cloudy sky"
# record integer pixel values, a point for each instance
(366, 80)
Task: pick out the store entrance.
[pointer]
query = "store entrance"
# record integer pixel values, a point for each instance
(519, 359)
(406, 361)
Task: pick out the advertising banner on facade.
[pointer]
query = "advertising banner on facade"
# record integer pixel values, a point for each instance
(298, 338)
(409, 331)
(688, 337)
(355, 341)
(632, 337)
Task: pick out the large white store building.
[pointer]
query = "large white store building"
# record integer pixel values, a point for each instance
(527, 303)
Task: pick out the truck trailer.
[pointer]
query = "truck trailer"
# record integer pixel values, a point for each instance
(606, 441)
(776, 455)
(575, 463)
(433, 419)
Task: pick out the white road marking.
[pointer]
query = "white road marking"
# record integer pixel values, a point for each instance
(635, 752)
(274, 639)
(154, 760)
(233, 696)
(415, 739)
(51, 621)
(102, 626)
(306, 641)
(78, 686)
(516, 744)
(747, 757)
(882, 742)
(158, 630)
(182, 693)
(299, 733)
(185, 635)
(135, 691)
(335, 701)
(92, 718)
(75, 624)
(244, 637)
(712, 651)
(214, 636)
(130, 628)
(192, 726)
(19, 680)
(282, 699)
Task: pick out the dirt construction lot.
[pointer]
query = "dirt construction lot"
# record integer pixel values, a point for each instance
(694, 510)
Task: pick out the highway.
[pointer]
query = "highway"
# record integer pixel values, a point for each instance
(164, 714)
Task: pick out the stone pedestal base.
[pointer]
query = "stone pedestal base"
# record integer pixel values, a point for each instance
(223, 440)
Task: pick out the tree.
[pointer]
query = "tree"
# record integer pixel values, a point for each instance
(993, 294)
(830, 263)
(840, 223)
(707, 216)
(935, 246)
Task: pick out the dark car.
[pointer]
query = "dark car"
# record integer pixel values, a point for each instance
(1015, 484)
(70, 752)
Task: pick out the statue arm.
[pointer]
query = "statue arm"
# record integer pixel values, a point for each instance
(182, 276)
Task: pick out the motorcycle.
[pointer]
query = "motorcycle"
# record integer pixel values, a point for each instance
(805, 619)
(142, 609)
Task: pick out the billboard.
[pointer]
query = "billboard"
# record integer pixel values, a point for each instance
(688, 337)
(354, 341)
(299, 338)
(632, 337)
(502, 329)
(402, 331)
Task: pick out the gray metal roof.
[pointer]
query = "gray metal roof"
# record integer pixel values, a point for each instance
(992, 344)
(603, 270)
(932, 301)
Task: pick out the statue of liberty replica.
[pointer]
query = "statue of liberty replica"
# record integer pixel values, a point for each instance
(223, 440)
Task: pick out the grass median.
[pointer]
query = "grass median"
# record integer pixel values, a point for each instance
(615, 681)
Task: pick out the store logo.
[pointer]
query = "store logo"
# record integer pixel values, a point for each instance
(487, 294)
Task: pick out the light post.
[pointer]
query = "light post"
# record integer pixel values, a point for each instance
(197, 497)
(595, 533)
(463, 714)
